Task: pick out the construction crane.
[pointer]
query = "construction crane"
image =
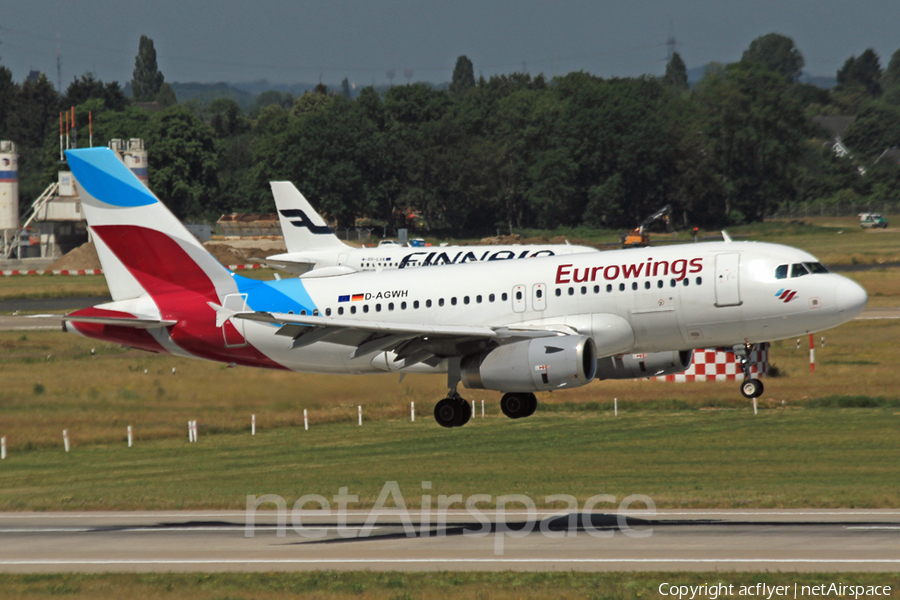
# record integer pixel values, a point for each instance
(640, 237)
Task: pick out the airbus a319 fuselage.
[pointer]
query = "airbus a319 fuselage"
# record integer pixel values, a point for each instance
(515, 326)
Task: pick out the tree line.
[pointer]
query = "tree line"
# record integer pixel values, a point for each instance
(511, 151)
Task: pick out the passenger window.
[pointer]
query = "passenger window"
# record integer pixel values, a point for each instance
(504, 296)
(621, 287)
(340, 310)
(352, 310)
(634, 285)
(646, 285)
(428, 304)
(685, 282)
(798, 270)
(327, 312)
(377, 308)
(608, 287)
(558, 292)
(672, 283)
(659, 283)
(539, 293)
(453, 300)
(478, 299)
(440, 301)
(698, 281)
(491, 297)
(518, 295)
(390, 306)
(781, 272)
(583, 290)
(403, 306)
(366, 308)
(571, 291)
(415, 304)
(465, 300)
(302, 313)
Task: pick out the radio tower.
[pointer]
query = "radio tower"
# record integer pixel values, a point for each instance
(58, 66)
(670, 44)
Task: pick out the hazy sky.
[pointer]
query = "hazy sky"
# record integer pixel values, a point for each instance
(291, 41)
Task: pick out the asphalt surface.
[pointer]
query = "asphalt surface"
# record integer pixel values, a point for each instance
(692, 540)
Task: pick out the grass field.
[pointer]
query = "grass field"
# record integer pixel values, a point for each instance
(405, 586)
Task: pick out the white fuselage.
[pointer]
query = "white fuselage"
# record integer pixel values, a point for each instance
(674, 298)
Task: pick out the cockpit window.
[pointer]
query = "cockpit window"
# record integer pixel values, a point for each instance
(816, 267)
(781, 272)
(798, 270)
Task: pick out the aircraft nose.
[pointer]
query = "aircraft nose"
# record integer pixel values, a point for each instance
(851, 298)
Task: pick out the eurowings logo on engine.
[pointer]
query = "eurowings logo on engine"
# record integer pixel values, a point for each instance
(785, 295)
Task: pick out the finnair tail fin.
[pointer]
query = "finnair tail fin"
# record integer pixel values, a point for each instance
(143, 247)
(301, 225)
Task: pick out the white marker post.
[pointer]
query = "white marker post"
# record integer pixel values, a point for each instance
(615, 407)
(305, 421)
(252, 424)
(129, 436)
(190, 431)
(473, 407)
(66, 439)
(359, 410)
(812, 354)
(754, 406)
(3, 448)
(482, 409)
(195, 429)
(412, 412)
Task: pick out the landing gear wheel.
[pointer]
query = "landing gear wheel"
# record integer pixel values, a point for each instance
(516, 406)
(532, 405)
(465, 413)
(752, 388)
(452, 412)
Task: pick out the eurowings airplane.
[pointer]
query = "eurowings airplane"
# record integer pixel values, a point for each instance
(311, 244)
(512, 326)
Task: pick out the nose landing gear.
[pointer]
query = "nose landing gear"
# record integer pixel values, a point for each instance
(750, 388)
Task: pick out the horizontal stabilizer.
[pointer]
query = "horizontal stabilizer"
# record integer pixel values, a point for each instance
(136, 323)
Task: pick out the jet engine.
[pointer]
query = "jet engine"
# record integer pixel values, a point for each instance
(638, 366)
(541, 364)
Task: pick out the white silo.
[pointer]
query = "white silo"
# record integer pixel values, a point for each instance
(135, 158)
(9, 191)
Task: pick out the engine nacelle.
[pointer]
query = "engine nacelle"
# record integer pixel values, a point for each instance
(639, 366)
(536, 365)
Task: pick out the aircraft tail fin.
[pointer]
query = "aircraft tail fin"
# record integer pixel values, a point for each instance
(301, 225)
(142, 246)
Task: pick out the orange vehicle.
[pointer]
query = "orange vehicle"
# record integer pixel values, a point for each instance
(640, 237)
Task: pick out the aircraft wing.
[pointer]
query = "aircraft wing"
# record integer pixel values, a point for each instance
(411, 342)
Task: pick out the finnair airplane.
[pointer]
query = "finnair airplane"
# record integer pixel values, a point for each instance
(312, 245)
(513, 326)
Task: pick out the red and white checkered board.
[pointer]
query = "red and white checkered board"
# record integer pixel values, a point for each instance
(719, 364)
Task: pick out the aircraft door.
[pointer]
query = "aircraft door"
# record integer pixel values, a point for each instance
(518, 298)
(342, 260)
(233, 329)
(727, 284)
(539, 296)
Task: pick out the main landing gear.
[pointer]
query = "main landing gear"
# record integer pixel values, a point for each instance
(750, 388)
(452, 411)
(518, 405)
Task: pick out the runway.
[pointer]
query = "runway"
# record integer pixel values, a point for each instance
(686, 540)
